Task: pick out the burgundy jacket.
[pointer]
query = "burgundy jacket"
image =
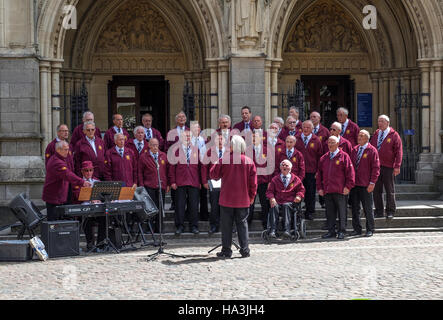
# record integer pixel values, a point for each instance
(109, 137)
(241, 126)
(121, 169)
(262, 162)
(131, 144)
(336, 174)
(50, 151)
(183, 174)
(323, 134)
(368, 169)
(352, 132)
(311, 153)
(57, 180)
(147, 170)
(77, 134)
(84, 152)
(297, 160)
(156, 134)
(285, 132)
(239, 181)
(344, 145)
(172, 138)
(391, 151)
(283, 195)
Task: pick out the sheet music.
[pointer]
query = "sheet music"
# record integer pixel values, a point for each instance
(214, 184)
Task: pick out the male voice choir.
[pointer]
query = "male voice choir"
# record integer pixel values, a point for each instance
(289, 162)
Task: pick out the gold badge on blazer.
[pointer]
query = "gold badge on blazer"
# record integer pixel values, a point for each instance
(48, 155)
(291, 185)
(365, 156)
(163, 162)
(279, 149)
(320, 137)
(389, 140)
(100, 147)
(264, 156)
(348, 131)
(77, 187)
(128, 157)
(106, 161)
(294, 159)
(312, 145)
(337, 162)
(64, 168)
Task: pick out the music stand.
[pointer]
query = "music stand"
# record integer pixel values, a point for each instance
(161, 213)
(106, 191)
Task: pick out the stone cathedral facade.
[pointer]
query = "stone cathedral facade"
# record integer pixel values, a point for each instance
(210, 57)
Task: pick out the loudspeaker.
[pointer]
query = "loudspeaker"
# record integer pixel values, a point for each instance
(61, 238)
(14, 250)
(115, 235)
(25, 211)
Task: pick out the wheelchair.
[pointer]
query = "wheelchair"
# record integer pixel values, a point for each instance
(298, 228)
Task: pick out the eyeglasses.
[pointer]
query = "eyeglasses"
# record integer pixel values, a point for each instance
(292, 122)
(88, 170)
(89, 130)
(332, 129)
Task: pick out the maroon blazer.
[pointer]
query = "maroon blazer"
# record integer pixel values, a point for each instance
(323, 134)
(311, 153)
(57, 180)
(283, 195)
(172, 138)
(84, 152)
(241, 126)
(285, 133)
(77, 134)
(131, 144)
(368, 168)
(352, 132)
(297, 160)
(121, 169)
(50, 151)
(391, 151)
(344, 145)
(336, 174)
(239, 181)
(262, 162)
(156, 134)
(184, 174)
(109, 137)
(76, 192)
(147, 170)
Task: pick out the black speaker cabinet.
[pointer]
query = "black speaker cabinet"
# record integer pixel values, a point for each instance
(15, 250)
(61, 238)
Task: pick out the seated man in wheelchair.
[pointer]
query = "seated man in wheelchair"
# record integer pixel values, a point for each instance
(284, 192)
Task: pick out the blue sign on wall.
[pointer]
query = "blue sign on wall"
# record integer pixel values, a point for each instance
(364, 109)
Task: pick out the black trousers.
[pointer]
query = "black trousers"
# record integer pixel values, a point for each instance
(386, 180)
(204, 212)
(89, 232)
(286, 211)
(190, 196)
(214, 216)
(227, 217)
(51, 214)
(336, 206)
(264, 202)
(361, 195)
(310, 186)
(155, 195)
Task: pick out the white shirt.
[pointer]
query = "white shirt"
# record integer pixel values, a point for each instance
(345, 126)
(334, 153)
(385, 134)
(272, 140)
(152, 155)
(364, 147)
(92, 143)
(118, 150)
(316, 128)
(249, 126)
(116, 130)
(136, 142)
(288, 178)
(180, 130)
(146, 133)
(292, 151)
(200, 143)
(303, 138)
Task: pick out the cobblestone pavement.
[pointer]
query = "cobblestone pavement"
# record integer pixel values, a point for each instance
(386, 266)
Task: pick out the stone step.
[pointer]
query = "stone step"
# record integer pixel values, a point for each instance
(408, 188)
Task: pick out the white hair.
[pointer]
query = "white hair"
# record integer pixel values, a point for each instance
(59, 145)
(337, 124)
(279, 120)
(344, 110)
(309, 122)
(116, 136)
(290, 137)
(139, 128)
(238, 144)
(295, 109)
(224, 116)
(366, 133)
(87, 124)
(181, 112)
(383, 116)
(336, 140)
(86, 114)
(288, 162)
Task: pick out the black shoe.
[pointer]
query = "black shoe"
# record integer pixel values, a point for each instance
(89, 246)
(179, 231)
(172, 207)
(323, 206)
(224, 254)
(378, 215)
(272, 235)
(286, 235)
(369, 234)
(245, 254)
(328, 235)
(356, 233)
(340, 236)
(195, 230)
(234, 230)
(390, 216)
(212, 230)
(308, 216)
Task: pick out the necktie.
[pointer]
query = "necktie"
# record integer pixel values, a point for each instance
(316, 130)
(220, 154)
(380, 140)
(305, 141)
(360, 153)
(331, 155)
(343, 131)
(246, 126)
(119, 130)
(292, 133)
(121, 152)
(156, 157)
(148, 134)
(188, 154)
(285, 181)
(289, 153)
(139, 148)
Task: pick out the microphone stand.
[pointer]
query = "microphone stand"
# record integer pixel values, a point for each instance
(160, 251)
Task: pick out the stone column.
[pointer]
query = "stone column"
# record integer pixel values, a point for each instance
(438, 66)
(425, 68)
(223, 87)
(385, 93)
(375, 111)
(274, 89)
(267, 119)
(45, 110)
(392, 103)
(213, 93)
(55, 68)
(67, 89)
(432, 111)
